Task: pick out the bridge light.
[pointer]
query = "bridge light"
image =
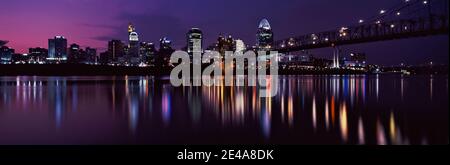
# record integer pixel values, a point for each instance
(425, 2)
(382, 11)
(398, 13)
(361, 21)
(406, 1)
(378, 22)
(392, 26)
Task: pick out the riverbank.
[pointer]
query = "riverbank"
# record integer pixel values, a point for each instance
(103, 70)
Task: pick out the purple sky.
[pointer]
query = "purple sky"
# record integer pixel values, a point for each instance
(29, 23)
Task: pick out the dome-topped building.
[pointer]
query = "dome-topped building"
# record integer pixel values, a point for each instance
(264, 24)
(264, 36)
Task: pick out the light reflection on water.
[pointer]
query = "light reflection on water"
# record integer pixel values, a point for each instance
(379, 109)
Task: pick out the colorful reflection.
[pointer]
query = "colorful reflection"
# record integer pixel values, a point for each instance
(335, 109)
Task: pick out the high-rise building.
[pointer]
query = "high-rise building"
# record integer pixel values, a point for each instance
(57, 49)
(194, 41)
(165, 43)
(6, 54)
(147, 52)
(75, 53)
(91, 55)
(264, 36)
(165, 50)
(115, 51)
(38, 55)
(133, 46)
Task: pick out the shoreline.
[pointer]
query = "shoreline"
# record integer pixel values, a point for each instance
(104, 70)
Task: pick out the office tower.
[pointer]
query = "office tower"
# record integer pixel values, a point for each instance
(75, 54)
(264, 36)
(147, 52)
(115, 52)
(91, 55)
(194, 41)
(133, 46)
(57, 49)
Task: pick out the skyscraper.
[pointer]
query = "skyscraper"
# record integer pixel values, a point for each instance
(165, 43)
(91, 55)
(57, 49)
(75, 53)
(264, 36)
(147, 52)
(195, 41)
(165, 50)
(133, 46)
(115, 51)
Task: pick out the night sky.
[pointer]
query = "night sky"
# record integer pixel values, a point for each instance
(29, 23)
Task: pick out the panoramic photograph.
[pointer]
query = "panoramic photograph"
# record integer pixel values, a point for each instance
(216, 72)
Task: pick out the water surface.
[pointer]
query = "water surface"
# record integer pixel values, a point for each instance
(353, 109)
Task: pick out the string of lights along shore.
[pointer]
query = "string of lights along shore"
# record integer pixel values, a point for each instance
(410, 18)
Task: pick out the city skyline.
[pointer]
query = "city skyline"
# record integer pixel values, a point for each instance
(93, 29)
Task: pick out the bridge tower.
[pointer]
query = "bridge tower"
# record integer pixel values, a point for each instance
(336, 52)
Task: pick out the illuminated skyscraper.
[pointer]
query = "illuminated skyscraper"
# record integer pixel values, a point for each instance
(147, 52)
(264, 36)
(57, 49)
(195, 41)
(165, 43)
(133, 46)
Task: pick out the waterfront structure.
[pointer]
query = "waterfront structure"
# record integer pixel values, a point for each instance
(57, 49)
(356, 61)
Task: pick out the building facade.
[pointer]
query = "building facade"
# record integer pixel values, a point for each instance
(57, 49)
(264, 36)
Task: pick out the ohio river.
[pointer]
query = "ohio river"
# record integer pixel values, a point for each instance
(346, 109)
